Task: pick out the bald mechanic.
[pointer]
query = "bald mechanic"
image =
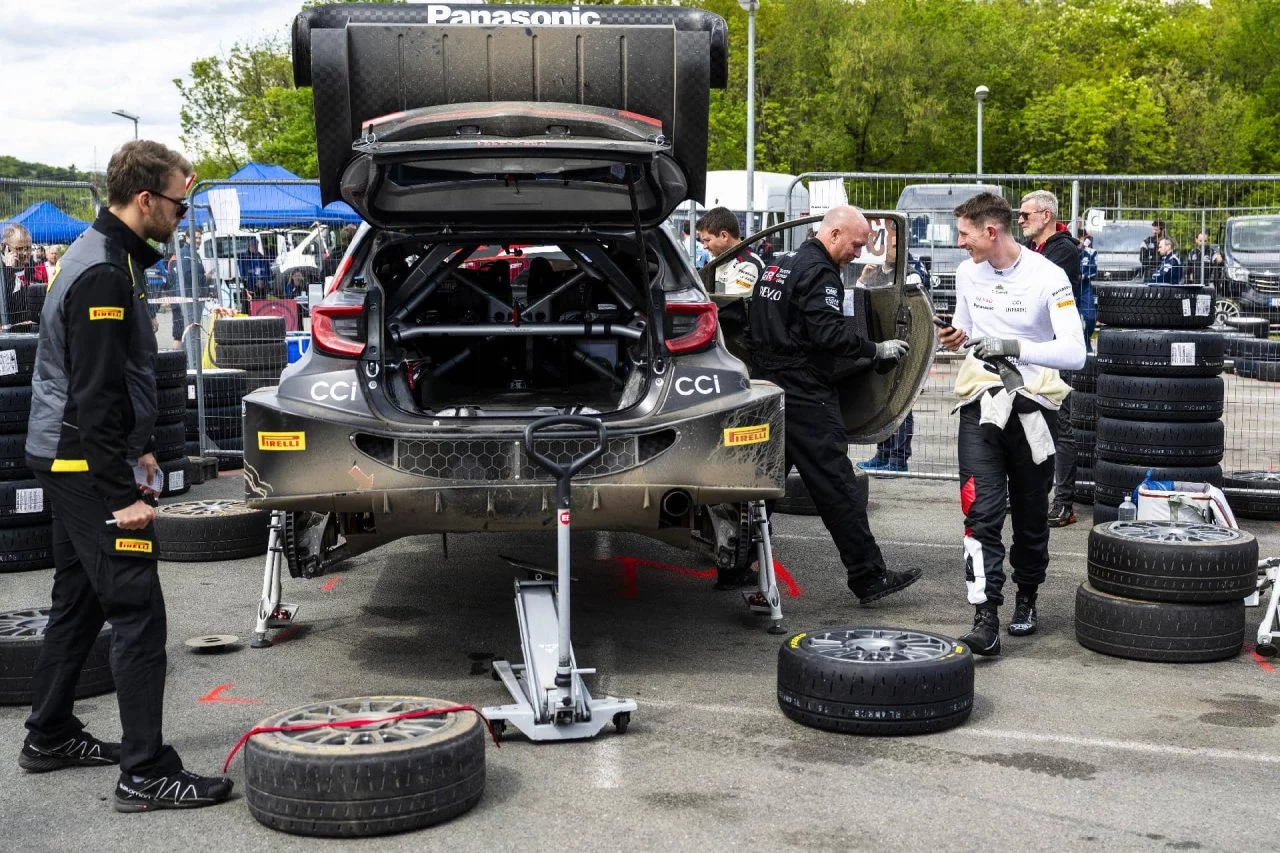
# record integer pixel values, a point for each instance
(797, 333)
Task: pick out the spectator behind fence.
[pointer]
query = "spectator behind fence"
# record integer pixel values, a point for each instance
(1149, 254)
(1088, 301)
(55, 254)
(39, 265)
(255, 270)
(23, 298)
(1169, 270)
(182, 282)
(1204, 262)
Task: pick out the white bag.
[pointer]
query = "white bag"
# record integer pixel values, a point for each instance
(1190, 503)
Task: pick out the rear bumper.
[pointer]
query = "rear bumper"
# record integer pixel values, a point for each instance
(478, 477)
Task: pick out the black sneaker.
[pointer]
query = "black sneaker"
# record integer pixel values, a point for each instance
(1024, 616)
(1061, 516)
(984, 637)
(886, 582)
(181, 790)
(82, 750)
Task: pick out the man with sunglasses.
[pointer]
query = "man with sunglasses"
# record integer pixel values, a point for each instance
(22, 296)
(90, 443)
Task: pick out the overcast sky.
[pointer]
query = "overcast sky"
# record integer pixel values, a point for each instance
(68, 63)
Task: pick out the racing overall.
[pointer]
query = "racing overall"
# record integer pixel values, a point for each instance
(739, 276)
(1010, 458)
(797, 333)
(93, 407)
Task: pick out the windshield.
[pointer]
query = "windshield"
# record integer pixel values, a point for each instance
(1120, 238)
(1257, 235)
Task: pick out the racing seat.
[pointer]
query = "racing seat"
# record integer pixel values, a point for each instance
(541, 281)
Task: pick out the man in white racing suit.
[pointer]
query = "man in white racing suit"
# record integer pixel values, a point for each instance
(718, 230)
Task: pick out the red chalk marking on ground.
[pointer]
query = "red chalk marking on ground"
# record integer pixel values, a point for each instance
(330, 584)
(215, 695)
(630, 577)
(285, 635)
(781, 573)
(631, 565)
(1266, 665)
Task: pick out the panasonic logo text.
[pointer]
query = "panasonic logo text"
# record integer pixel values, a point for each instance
(575, 17)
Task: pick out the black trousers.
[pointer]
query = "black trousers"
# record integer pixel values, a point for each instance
(994, 469)
(817, 448)
(102, 574)
(1064, 458)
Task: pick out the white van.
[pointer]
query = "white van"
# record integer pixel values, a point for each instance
(729, 189)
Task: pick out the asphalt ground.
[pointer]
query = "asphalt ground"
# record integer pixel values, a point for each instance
(1066, 749)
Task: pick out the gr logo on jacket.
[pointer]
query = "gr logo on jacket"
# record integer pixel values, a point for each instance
(93, 394)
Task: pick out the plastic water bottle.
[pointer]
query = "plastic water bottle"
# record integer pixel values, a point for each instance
(1128, 510)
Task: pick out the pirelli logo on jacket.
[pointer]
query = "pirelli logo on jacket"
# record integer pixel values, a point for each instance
(134, 546)
(106, 312)
(282, 441)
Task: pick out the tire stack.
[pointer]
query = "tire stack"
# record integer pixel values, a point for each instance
(1084, 424)
(26, 538)
(1257, 327)
(1166, 591)
(1256, 358)
(1231, 340)
(1159, 392)
(255, 345)
(223, 390)
(171, 448)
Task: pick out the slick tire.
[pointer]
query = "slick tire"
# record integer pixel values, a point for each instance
(1139, 306)
(1159, 352)
(859, 681)
(1150, 398)
(16, 369)
(171, 368)
(1256, 506)
(1158, 631)
(15, 409)
(249, 330)
(26, 548)
(1084, 410)
(419, 773)
(798, 502)
(1172, 561)
(254, 356)
(1160, 443)
(1086, 378)
(213, 529)
(22, 638)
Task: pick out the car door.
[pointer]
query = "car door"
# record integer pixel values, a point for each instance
(885, 306)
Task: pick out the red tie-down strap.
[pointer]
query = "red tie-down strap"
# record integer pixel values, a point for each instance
(355, 724)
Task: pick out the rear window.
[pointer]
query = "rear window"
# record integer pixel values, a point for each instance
(1120, 238)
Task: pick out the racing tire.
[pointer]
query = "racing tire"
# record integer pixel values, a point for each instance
(220, 422)
(1160, 443)
(798, 502)
(875, 681)
(1083, 491)
(256, 356)
(171, 405)
(1263, 349)
(26, 548)
(22, 638)
(177, 476)
(171, 441)
(16, 369)
(231, 463)
(1103, 513)
(22, 504)
(171, 368)
(345, 785)
(1149, 398)
(1157, 631)
(212, 529)
(1267, 371)
(1117, 479)
(1084, 410)
(1258, 327)
(222, 387)
(1086, 448)
(15, 408)
(1172, 561)
(1159, 352)
(1086, 378)
(1260, 507)
(13, 457)
(1139, 306)
(248, 330)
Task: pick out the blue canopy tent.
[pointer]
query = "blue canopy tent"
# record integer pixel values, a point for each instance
(283, 204)
(50, 224)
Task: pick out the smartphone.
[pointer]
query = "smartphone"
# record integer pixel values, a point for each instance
(940, 323)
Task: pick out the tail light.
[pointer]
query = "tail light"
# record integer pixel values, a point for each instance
(335, 329)
(691, 326)
(340, 274)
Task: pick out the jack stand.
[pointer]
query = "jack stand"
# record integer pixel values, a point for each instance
(551, 700)
(271, 613)
(766, 599)
(1269, 630)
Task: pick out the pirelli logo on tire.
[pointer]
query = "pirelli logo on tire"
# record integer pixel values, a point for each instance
(738, 436)
(282, 441)
(106, 312)
(134, 546)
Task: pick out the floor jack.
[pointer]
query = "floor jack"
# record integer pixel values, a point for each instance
(1269, 630)
(551, 699)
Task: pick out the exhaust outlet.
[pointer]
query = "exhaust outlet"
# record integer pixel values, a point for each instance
(676, 503)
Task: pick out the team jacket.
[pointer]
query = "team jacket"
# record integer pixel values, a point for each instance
(93, 395)
(1063, 250)
(740, 275)
(1169, 271)
(796, 320)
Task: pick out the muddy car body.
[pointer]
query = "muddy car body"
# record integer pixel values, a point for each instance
(428, 360)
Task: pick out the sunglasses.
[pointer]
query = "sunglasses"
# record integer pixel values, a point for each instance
(182, 206)
(1027, 214)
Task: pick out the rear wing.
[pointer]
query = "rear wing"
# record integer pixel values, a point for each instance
(364, 61)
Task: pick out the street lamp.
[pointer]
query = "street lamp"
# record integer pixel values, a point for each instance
(750, 6)
(980, 94)
(131, 117)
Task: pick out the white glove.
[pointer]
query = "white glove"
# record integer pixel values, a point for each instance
(891, 350)
(992, 347)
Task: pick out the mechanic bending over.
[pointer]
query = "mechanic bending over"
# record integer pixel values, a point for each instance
(90, 443)
(797, 333)
(1011, 302)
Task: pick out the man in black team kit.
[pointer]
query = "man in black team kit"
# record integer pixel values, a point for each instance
(718, 231)
(797, 332)
(90, 443)
(1012, 304)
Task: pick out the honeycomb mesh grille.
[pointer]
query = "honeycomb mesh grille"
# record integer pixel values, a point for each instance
(505, 460)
